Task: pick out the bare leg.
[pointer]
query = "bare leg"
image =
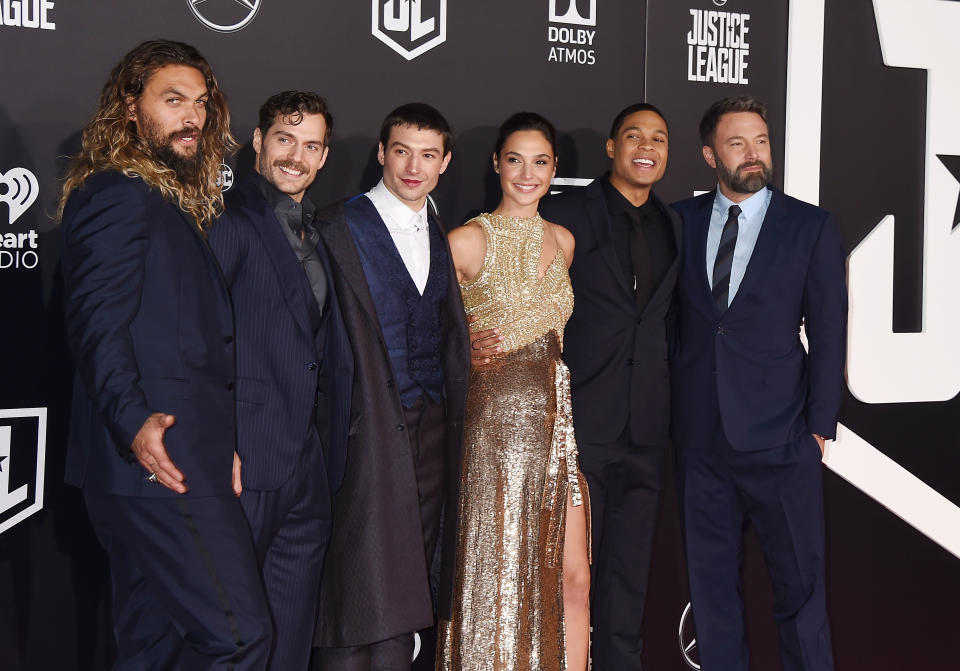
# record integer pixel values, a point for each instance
(576, 588)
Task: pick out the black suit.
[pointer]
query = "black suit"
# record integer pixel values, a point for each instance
(149, 325)
(291, 359)
(617, 354)
(376, 580)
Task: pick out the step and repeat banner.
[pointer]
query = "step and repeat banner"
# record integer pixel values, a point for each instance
(864, 109)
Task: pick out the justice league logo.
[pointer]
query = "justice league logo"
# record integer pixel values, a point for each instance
(18, 189)
(23, 442)
(225, 16)
(410, 27)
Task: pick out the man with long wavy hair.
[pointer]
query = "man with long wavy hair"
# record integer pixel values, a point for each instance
(149, 323)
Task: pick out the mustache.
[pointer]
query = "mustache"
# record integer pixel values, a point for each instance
(752, 164)
(184, 132)
(290, 164)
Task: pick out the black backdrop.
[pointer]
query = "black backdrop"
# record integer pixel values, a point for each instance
(892, 583)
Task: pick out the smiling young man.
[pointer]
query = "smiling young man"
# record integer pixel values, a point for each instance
(294, 364)
(751, 408)
(615, 345)
(404, 316)
(150, 326)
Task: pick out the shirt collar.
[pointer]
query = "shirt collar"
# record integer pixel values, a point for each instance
(617, 203)
(749, 208)
(280, 201)
(392, 207)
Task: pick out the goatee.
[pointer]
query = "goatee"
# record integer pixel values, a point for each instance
(745, 183)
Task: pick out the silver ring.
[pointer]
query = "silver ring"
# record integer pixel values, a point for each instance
(152, 477)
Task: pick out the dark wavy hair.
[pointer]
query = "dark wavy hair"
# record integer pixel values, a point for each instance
(708, 124)
(290, 106)
(110, 139)
(525, 121)
(423, 117)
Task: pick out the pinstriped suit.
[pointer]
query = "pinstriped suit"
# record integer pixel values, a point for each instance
(284, 349)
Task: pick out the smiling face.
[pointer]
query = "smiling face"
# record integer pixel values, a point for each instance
(412, 161)
(740, 154)
(289, 155)
(526, 165)
(639, 155)
(171, 112)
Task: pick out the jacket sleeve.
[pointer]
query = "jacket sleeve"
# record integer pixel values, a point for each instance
(106, 242)
(825, 319)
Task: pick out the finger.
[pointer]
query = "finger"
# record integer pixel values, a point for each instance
(237, 484)
(174, 485)
(486, 343)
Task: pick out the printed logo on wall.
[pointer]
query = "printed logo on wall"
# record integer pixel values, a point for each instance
(225, 180)
(410, 27)
(688, 637)
(23, 444)
(18, 189)
(33, 14)
(225, 16)
(718, 46)
(572, 45)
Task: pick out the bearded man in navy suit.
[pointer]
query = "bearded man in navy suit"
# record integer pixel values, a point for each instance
(294, 363)
(751, 408)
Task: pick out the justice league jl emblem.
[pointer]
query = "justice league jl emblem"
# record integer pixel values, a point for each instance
(407, 27)
(225, 16)
(21, 487)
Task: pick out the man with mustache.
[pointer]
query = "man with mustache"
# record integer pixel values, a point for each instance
(751, 409)
(294, 363)
(149, 323)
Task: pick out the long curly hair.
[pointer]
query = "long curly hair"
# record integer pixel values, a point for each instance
(111, 142)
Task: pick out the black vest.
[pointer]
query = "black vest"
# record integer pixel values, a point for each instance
(410, 323)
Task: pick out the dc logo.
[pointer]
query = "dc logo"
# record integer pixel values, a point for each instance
(225, 16)
(23, 443)
(225, 180)
(18, 189)
(688, 640)
(410, 27)
(573, 15)
(719, 3)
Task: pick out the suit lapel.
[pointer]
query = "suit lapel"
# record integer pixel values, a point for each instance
(281, 255)
(697, 241)
(343, 253)
(667, 283)
(599, 217)
(767, 243)
(226, 305)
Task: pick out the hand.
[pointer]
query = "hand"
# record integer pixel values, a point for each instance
(483, 344)
(820, 441)
(150, 451)
(237, 486)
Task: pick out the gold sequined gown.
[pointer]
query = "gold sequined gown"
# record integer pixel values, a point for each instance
(519, 464)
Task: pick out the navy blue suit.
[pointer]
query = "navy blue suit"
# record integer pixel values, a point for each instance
(149, 325)
(290, 362)
(746, 399)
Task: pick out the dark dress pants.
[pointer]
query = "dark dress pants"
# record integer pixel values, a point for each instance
(291, 527)
(186, 589)
(625, 492)
(427, 431)
(780, 492)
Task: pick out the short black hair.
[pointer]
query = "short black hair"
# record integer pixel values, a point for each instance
(290, 106)
(633, 109)
(708, 124)
(526, 121)
(421, 115)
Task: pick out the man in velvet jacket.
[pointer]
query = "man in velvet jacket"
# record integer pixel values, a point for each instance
(294, 363)
(404, 316)
(751, 408)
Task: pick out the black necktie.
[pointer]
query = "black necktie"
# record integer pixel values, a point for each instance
(724, 261)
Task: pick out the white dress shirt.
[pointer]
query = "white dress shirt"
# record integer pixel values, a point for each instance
(408, 230)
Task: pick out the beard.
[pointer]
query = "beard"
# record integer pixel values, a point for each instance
(186, 166)
(749, 183)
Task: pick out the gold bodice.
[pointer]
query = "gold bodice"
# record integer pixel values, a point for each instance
(507, 292)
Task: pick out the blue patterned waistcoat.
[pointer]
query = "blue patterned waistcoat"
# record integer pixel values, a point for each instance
(410, 323)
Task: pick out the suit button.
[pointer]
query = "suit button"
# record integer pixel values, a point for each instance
(228, 386)
(400, 426)
(227, 340)
(629, 362)
(312, 365)
(389, 383)
(721, 330)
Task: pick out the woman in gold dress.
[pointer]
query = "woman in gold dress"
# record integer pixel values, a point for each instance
(521, 596)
